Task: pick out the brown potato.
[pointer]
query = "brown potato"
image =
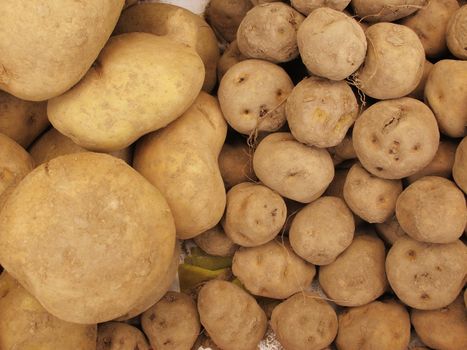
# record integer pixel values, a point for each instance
(308, 6)
(225, 16)
(357, 276)
(278, 272)
(419, 91)
(120, 336)
(345, 150)
(459, 169)
(390, 230)
(426, 276)
(172, 323)
(229, 58)
(236, 164)
(456, 36)
(215, 242)
(304, 322)
(231, 316)
(386, 10)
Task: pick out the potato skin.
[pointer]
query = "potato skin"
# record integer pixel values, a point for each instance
(416, 271)
(236, 164)
(456, 36)
(231, 316)
(149, 81)
(225, 16)
(215, 242)
(187, 173)
(76, 224)
(386, 10)
(308, 6)
(459, 169)
(120, 336)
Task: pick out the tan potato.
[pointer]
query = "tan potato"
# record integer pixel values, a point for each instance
(394, 62)
(47, 47)
(269, 32)
(345, 150)
(444, 328)
(140, 83)
(172, 323)
(179, 26)
(229, 58)
(254, 214)
(278, 272)
(120, 336)
(322, 230)
(21, 120)
(386, 10)
(432, 210)
(225, 16)
(231, 316)
(357, 276)
(370, 197)
(419, 91)
(459, 169)
(319, 111)
(426, 276)
(390, 230)
(446, 94)
(295, 171)
(187, 173)
(304, 322)
(215, 242)
(252, 95)
(378, 325)
(26, 325)
(331, 44)
(308, 6)
(456, 36)
(397, 138)
(75, 237)
(236, 164)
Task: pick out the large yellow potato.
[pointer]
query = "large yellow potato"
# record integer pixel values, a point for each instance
(48, 46)
(87, 236)
(139, 83)
(180, 26)
(181, 161)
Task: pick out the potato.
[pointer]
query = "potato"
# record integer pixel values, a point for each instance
(120, 336)
(390, 230)
(308, 6)
(394, 62)
(236, 164)
(26, 325)
(66, 225)
(370, 197)
(187, 172)
(456, 36)
(322, 230)
(215, 242)
(231, 316)
(319, 111)
(432, 210)
(357, 276)
(304, 322)
(293, 208)
(419, 91)
(172, 323)
(382, 325)
(230, 57)
(426, 276)
(444, 328)
(331, 44)
(252, 95)
(52, 144)
(47, 47)
(345, 150)
(397, 138)
(459, 169)
(292, 169)
(179, 26)
(254, 214)
(148, 81)
(446, 93)
(386, 10)
(21, 120)
(269, 32)
(225, 16)
(278, 272)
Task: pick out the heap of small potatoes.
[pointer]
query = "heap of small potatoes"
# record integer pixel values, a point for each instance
(327, 144)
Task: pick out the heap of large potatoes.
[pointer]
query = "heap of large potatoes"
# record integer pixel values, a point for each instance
(313, 172)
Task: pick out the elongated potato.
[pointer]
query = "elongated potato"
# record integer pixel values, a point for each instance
(459, 169)
(187, 173)
(386, 10)
(225, 16)
(120, 336)
(149, 81)
(456, 36)
(215, 242)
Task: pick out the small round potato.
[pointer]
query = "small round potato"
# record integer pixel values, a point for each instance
(386, 10)
(236, 164)
(459, 169)
(304, 322)
(216, 242)
(232, 317)
(444, 328)
(419, 91)
(390, 230)
(357, 276)
(225, 16)
(252, 96)
(322, 230)
(319, 111)
(394, 62)
(269, 32)
(254, 214)
(120, 336)
(229, 58)
(432, 210)
(378, 325)
(308, 6)
(272, 270)
(331, 44)
(296, 171)
(397, 138)
(172, 323)
(426, 276)
(456, 34)
(370, 197)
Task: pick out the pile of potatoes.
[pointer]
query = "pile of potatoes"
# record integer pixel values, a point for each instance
(308, 157)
